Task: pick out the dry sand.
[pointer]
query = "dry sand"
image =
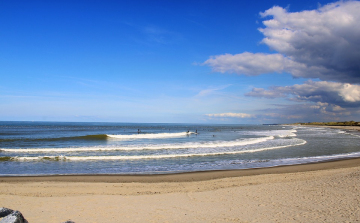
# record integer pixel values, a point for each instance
(323, 192)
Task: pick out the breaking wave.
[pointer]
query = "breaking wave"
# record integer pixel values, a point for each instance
(152, 135)
(151, 147)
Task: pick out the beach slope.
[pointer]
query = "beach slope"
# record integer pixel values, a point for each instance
(323, 192)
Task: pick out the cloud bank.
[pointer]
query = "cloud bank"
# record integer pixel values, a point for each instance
(322, 43)
(320, 101)
(322, 91)
(309, 112)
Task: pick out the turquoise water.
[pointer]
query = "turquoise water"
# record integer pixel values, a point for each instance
(47, 148)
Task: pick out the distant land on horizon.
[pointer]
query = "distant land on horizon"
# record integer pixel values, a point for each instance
(345, 123)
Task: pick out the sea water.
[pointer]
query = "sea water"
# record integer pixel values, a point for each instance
(48, 148)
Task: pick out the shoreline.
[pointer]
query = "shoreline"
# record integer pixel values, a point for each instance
(186, 176)
(326, 191)
(195, 175)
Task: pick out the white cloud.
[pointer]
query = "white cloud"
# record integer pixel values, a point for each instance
(322, 43)
(247, 63)
(350, 93)
(231, 115)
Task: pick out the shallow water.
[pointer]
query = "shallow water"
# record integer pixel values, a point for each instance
(46, 148)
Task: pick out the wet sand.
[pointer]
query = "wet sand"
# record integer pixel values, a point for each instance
(321, 192)
(354, 128)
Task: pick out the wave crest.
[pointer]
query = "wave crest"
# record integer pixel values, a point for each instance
(152, 135)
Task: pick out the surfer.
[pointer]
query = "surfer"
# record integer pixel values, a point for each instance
(139, 131)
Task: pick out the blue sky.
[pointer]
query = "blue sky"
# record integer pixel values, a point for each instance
(177, 61)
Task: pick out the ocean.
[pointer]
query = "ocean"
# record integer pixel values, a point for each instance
(67, 148)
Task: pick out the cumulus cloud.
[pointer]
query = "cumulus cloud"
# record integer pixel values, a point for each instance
(252, 64)
(339, 94)
(231, 115)
(248, 63)
(322, 43)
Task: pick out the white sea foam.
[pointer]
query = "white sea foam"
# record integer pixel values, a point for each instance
(152, 147)
(290, 133)
(38, 158)
(312, 159)
(151, 135)
(353, 134)
(348, 133)
(85, 158)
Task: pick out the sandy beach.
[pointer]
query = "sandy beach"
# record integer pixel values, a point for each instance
(322, 192)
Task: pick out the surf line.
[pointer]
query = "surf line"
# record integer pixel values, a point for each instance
(86, 158)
